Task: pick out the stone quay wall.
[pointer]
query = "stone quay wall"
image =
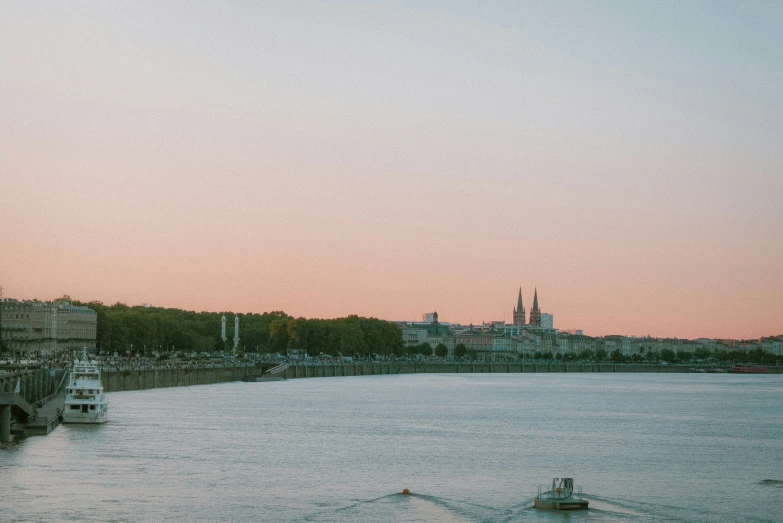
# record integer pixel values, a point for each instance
(370, 369)
(119, 380)
(114, 381)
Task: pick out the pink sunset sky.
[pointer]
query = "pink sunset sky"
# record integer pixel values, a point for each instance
(327, 159)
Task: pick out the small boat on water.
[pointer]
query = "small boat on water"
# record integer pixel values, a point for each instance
(560, 496)
(748, 369)
(85, 401)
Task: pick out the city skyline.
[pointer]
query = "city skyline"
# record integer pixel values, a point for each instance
(327, 159)
(426, 317)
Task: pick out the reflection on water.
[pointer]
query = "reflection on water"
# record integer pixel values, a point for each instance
(470, 447)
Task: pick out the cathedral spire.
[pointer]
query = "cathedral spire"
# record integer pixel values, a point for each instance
(519, 311)
(535, 312)
(519, 300)
(535, 299)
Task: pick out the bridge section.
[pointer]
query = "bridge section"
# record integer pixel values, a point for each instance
(25, 396)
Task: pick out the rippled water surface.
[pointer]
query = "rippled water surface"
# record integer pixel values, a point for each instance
(645, 447)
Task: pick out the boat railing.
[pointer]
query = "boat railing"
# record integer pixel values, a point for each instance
(545, 492)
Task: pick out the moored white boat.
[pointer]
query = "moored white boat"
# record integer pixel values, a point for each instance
(85, 401)
(561, 496)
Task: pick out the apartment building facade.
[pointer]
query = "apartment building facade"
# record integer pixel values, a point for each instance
(32, 329)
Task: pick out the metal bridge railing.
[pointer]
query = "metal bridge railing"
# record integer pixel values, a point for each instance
(41, 402)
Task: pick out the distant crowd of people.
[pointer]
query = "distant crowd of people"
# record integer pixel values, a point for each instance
(120, 363)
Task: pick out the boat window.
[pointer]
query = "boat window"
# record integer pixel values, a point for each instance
(74, 407)
(92, 407)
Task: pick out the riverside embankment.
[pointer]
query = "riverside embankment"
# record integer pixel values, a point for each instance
(121, 380)
(370, 369)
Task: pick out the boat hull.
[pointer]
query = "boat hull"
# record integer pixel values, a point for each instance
(89, 418)
(739, 369)
(561, 504)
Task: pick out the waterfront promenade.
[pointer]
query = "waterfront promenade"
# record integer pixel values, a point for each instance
(164, 377)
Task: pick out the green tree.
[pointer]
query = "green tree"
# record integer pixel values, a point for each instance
(738, 355)
(668, 355)
(586, 354)
(721, 355)
(756, 355)
(601, 355)
(616, 356)
(278, 335)
(460, 350)
(425, 349)
(121, 327)
(441, 350)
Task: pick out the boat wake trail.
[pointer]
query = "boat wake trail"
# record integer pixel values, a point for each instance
(423, 507)
(618, 509)
(407, 508)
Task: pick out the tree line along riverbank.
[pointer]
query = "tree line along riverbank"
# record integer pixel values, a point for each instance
(144, 330)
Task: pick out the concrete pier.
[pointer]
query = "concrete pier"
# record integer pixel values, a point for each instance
(47, 416)
(5, 423)
(29, 404)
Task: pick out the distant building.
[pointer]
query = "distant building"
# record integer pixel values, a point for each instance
(481, 343)
(429, 317)
(772, 346)
(35, 328)
(446, 340)
(547, 321)
(432, 332)
(413, 334)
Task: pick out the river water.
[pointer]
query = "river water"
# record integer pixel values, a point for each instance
(471, 447)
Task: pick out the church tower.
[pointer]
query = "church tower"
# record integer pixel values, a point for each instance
(535, 312)
(519, 311)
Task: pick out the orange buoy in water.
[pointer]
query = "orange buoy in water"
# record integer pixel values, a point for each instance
(406, 492)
